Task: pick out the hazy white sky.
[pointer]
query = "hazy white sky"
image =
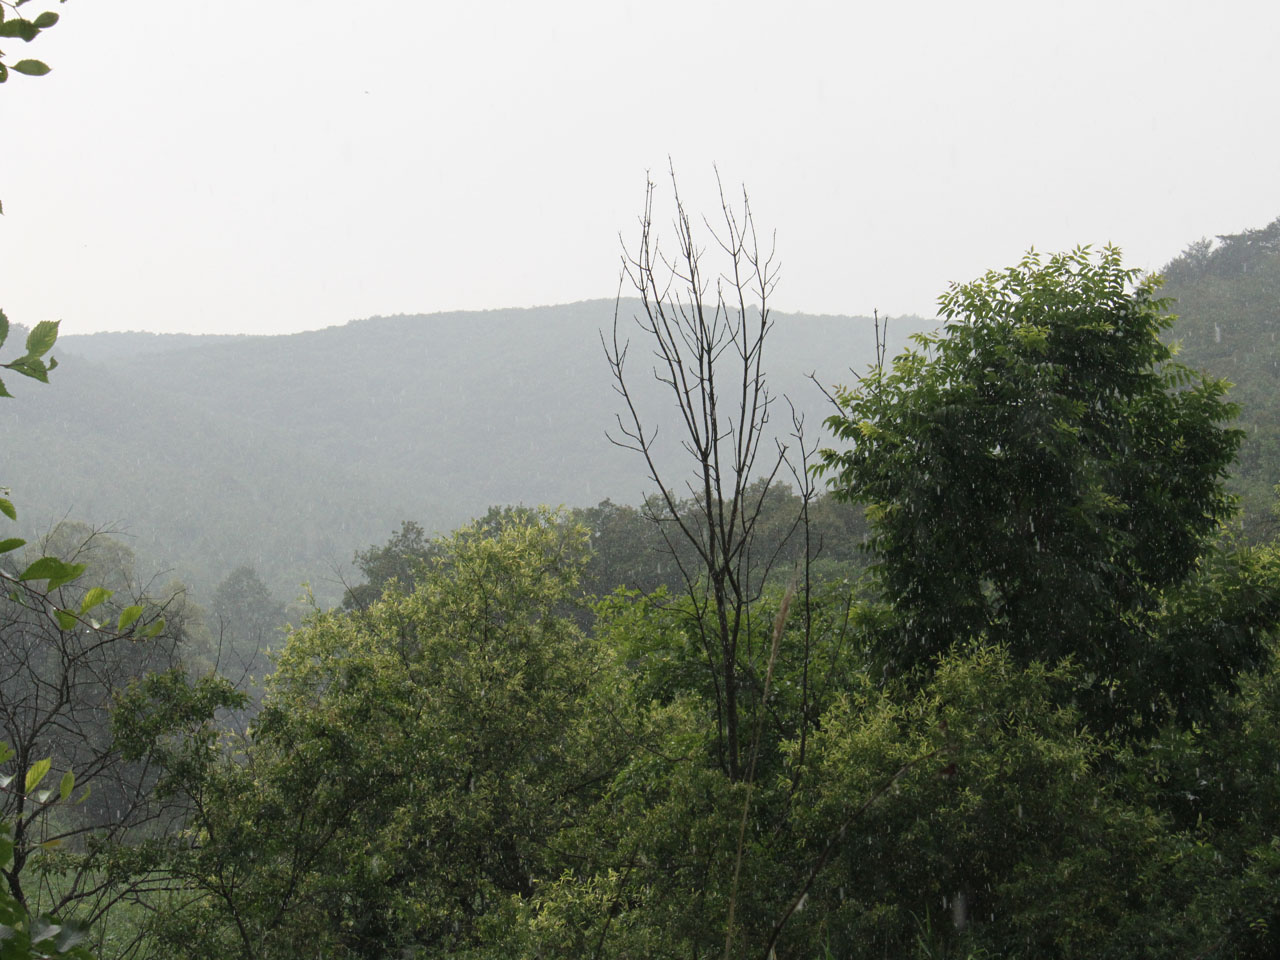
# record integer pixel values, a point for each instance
(235, 166)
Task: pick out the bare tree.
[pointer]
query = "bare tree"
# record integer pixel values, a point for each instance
(59, 673)
(707, 331)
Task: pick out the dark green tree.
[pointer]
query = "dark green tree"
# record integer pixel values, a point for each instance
(1041, 472)
(246, 621)
(399, 560)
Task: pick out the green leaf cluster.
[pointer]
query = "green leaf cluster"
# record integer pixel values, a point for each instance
(32, 363)
(13, 25)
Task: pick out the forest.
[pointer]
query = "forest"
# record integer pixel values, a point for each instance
(982, 666)
(975, 657)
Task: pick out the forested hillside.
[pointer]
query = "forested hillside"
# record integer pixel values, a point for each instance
(1227, 297)
(290, 453)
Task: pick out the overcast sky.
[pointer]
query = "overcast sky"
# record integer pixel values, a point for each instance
(235, 166)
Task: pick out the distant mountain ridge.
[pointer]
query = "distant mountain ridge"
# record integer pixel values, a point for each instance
(291, 452)
(105, 346)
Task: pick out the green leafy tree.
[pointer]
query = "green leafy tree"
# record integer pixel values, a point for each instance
(398, 561)
(410, 765)
(1219, 783)
(1015, 837)
(1041, 472)
(246, 621)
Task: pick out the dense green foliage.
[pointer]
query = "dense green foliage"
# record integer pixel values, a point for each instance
(410, 764)
(1049, 432)
(628, 548)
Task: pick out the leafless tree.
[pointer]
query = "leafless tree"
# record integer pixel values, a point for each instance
(707, 330)
(57, 682)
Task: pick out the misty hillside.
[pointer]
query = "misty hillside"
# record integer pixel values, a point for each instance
(1227, 297)
(291, 452)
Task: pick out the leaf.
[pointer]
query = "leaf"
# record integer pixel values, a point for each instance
(43, 928)
(37, 773)
(6, 507)
(23, 30)
(32, 367)
(66, 619)
(3, 391)
(4, 328)
(13, 543)
(95, 597)
(66, 785)
(43, 568)
(72, 935)
(56, 571)
(70, 572)
(32, 68)
(154, 629)
(42, 338)
(128, 617)
(6, 752)
(46, 20)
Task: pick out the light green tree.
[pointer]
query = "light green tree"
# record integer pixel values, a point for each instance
(411, 764)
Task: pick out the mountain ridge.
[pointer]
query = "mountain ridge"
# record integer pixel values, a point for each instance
(293, 451)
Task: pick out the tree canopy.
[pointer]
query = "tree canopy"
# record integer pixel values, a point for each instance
(1040, 472)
